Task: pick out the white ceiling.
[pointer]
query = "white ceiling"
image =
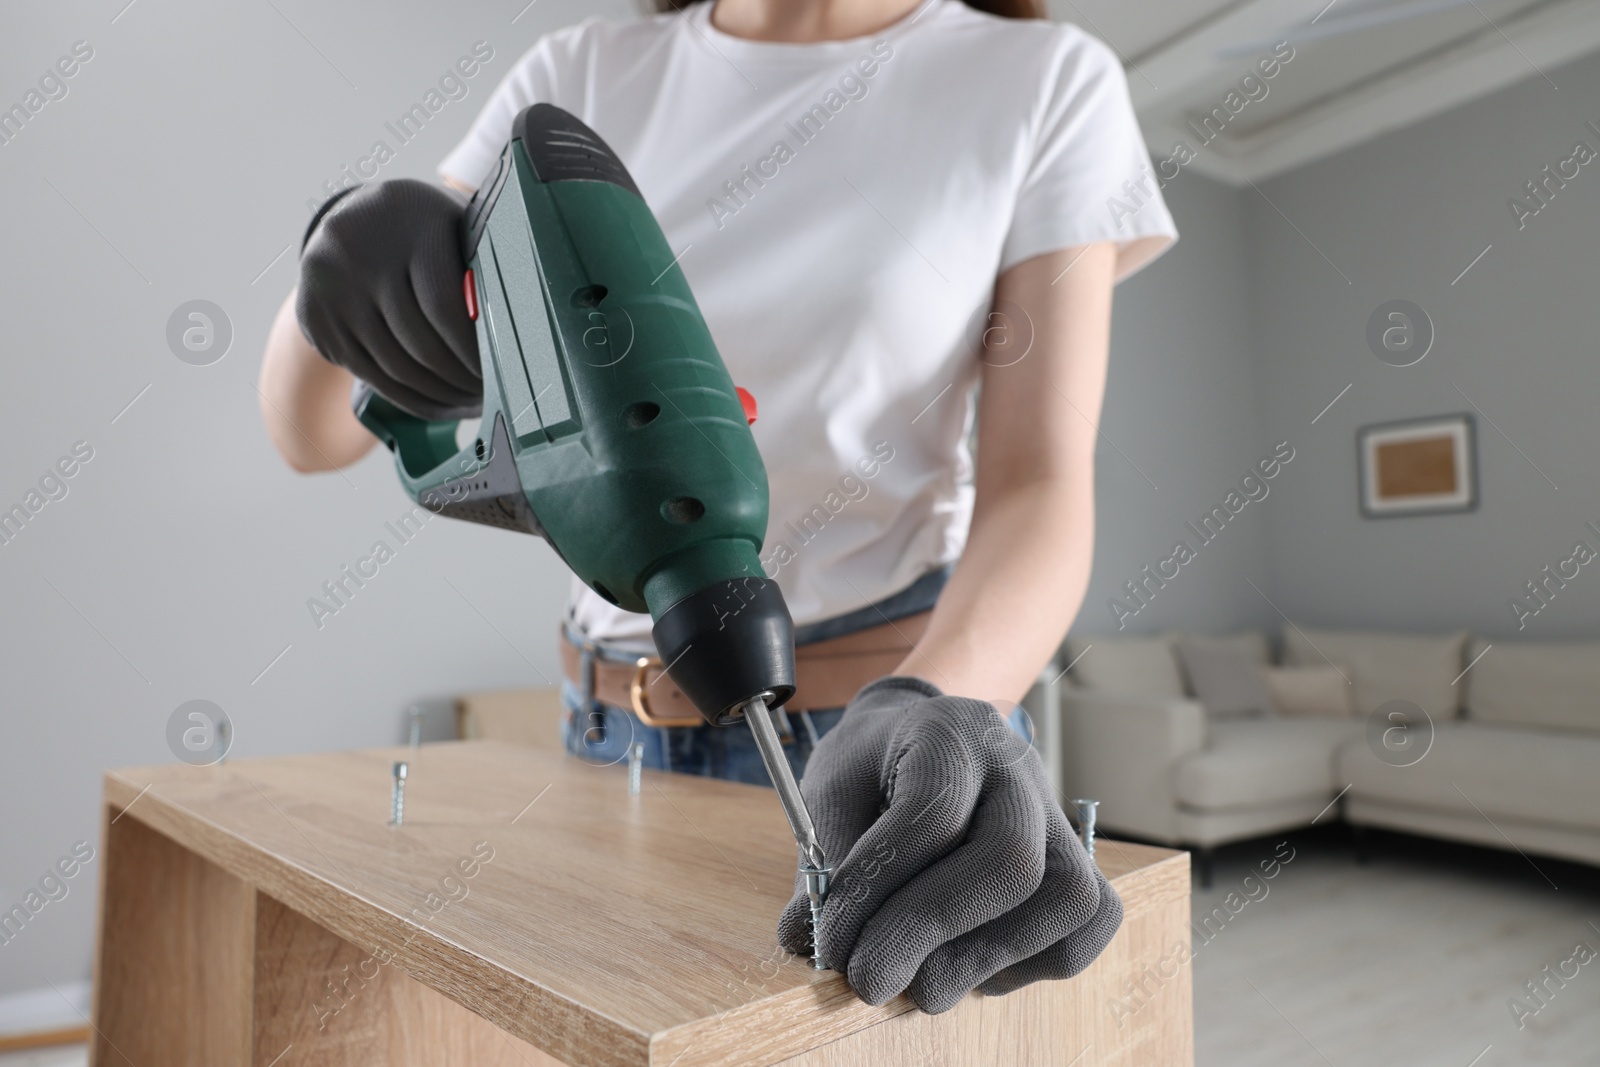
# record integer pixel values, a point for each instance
(1360, 67)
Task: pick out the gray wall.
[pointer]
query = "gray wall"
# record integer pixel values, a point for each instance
(179, 563)
(1402, 216)
(1182, 406)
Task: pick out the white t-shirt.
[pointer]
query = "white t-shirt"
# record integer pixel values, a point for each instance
(841, 211)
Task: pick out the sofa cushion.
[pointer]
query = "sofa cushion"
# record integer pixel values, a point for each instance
(1251, 643)
(1321, 691)
(1259, 762)
(1225, 678)
(1480, 770)
(1554, 685)
(1386, 666)
(1127, 666)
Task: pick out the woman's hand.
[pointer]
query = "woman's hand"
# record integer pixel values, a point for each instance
(955, 869)
(381, 296)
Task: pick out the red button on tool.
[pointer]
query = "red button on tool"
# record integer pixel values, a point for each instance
(748, 402)
(470, 289)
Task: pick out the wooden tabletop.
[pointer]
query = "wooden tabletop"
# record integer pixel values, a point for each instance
(603, 928)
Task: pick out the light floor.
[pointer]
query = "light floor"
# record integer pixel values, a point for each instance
(70, 1056)
(1409, 959)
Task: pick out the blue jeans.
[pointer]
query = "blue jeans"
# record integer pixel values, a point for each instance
(603, 734)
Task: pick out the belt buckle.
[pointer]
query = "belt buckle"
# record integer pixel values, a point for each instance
(637, 695)
(640, 701)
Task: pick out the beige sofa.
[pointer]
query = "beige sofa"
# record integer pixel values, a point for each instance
(1520, 770)
(1512, 758)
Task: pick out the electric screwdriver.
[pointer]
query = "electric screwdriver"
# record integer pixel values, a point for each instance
(612, 429)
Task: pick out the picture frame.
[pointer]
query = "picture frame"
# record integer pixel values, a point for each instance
(1425, 466)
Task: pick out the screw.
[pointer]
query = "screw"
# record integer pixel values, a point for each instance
(811, 728)
(415, 712)
(399, 804)
(816, 894)
(635, 766)
(1086, 812)
(224, 738)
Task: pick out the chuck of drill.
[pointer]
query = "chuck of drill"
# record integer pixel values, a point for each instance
(726, 643)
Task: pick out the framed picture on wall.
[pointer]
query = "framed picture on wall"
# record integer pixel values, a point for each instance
(1418, 466)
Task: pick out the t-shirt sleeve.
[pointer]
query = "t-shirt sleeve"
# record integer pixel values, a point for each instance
(544, 75)
(1090, 178)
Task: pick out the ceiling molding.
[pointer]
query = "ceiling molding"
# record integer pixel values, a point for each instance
(1438, 75)
(1171, 71)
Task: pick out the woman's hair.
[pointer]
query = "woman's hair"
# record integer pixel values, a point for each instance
(1011, 9)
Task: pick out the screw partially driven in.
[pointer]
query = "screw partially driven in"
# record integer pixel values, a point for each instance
(814, 865)
(224, 739)
(1086, 813)
(816, 894)
(398, 805)
(635, 766)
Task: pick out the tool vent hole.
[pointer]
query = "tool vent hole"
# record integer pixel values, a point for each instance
(478, 448)
(605, 594)
(682, 510)
(589, 296)
(637, 416)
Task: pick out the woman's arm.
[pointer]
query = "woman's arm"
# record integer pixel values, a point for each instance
(305, 401)
(1022, 577)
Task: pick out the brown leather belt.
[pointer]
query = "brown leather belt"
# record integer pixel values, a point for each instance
(827, 673)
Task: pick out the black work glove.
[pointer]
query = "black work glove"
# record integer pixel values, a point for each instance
(381, 296)
(955, 868)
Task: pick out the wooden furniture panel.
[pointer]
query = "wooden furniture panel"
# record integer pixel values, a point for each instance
(529, 893)
(173, 966)
(323, 1002)
(520, 716)
(1046, 1025)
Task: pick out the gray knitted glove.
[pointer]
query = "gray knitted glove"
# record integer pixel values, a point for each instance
(381, 296)
(955, 868)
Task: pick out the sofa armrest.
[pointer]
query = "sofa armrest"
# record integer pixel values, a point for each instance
(1123, 752)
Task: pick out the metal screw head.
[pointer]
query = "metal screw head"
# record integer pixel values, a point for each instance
(635, 767)
(398, 802)
(1086, 816)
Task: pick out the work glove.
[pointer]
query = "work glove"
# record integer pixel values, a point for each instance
(955, 868)
(381, 296)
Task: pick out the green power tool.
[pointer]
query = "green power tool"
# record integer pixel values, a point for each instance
(612, 429)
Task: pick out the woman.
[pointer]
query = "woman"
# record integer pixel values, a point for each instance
(880, 205)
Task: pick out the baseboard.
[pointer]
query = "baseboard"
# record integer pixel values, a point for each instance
(54, 1015)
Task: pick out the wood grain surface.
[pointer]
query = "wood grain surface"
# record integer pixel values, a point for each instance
(323, 1002)
(1049, 1024)
(172, 973)
(599, 928)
